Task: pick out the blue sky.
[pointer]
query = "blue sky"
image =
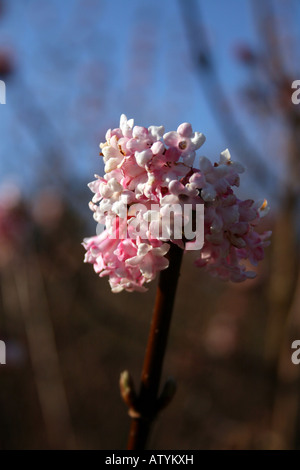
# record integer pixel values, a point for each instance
(80, 64)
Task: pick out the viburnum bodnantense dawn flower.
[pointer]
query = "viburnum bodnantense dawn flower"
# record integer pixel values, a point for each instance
(147, 171)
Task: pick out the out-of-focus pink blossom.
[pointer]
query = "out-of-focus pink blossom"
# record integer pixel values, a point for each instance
(14, 223)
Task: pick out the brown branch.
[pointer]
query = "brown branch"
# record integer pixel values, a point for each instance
(224, 114)
(267, 29)
(148, 403)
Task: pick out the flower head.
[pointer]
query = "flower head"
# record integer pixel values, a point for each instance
(149, 175)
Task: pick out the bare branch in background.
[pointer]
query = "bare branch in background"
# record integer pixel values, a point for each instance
(44, 356)
(283, 286)
(224, 114)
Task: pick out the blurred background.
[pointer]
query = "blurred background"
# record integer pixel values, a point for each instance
(71, 68)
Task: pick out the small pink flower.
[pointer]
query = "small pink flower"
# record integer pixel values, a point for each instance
(150, 260)
(112, 155)
(185, 140)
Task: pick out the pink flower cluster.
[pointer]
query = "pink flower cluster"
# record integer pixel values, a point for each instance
(156, 169)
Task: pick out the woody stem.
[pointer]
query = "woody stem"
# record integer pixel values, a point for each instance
(155, 351)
